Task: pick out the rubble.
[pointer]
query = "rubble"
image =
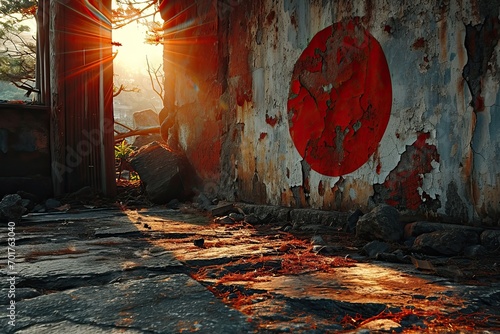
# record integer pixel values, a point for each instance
(242, 264)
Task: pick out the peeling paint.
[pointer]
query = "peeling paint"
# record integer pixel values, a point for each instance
(404, 182)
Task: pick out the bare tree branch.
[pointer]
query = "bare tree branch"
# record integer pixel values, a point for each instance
(121, 19)
(138, 132)
(122, 89)
(159, 91)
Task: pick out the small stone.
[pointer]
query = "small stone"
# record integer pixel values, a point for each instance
(237, 217)
(252, 219)
(326, 249)
(11, 208)
(317, 248)
(352, 220)
(156, 249)
(223, 209)
(382, 325)
(317, 240)
(375, 247)
(199, 242)
(223, 220)
(203, 202)
(52, 203)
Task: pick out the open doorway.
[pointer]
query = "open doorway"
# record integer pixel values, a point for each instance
(138, 79)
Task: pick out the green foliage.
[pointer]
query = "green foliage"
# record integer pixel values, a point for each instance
(17, 43)
(123, 150)
(23, 7)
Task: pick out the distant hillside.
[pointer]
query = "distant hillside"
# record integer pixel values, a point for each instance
(10, 92)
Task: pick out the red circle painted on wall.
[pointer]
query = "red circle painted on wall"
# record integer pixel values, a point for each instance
(340, 99)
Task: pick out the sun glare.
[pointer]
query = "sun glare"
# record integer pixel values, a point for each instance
(133, 48)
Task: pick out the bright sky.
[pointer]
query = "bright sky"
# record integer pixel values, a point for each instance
(132, 53)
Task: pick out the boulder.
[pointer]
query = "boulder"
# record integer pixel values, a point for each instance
(490, 239)
(11, 208)
(382, 223)
(420, 227)
(166, 175)
(145, 119)
(445, 242)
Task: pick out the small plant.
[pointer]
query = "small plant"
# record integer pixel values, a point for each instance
(123, 150)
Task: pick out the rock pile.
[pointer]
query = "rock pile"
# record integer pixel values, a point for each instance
(382, 226)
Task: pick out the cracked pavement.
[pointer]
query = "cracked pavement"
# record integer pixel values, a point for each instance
(157, 270)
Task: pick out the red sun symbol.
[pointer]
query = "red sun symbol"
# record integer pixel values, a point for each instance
(340, 99)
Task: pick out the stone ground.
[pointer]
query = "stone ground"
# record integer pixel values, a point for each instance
(159, 270)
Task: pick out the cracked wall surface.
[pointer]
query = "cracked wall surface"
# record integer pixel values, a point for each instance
(339, 105)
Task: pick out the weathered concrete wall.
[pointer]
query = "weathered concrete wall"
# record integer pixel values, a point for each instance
(339, 105)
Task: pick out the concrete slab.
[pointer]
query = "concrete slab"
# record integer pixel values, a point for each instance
(163, 304)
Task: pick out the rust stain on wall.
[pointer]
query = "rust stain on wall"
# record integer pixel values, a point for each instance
(419, 43)
(271, 120)
(401, 188)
